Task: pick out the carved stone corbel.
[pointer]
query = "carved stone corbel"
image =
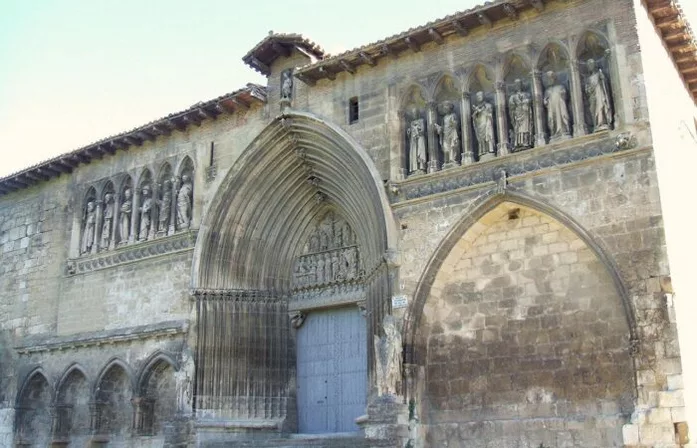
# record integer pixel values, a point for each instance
(297, 319)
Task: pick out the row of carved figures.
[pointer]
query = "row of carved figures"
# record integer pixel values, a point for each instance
(554, 104)
(331, 266)
(112, 222)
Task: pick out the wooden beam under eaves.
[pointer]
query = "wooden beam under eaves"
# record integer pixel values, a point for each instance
(460, 28)
(412, 44)
(280, 49)
(510, 11)
(346, 66)
(389, 51)
(367, 58)
(484, 19)
(435, 35)
(327, 73)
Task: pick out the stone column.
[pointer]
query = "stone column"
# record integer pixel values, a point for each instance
(466, 117)
(154, 211)
(173, 208)
(577, 100)
(94, 416)
(538, 102)
(503, 145)
(432, 120)
(135, 215)
(97, 227)
(115, 220)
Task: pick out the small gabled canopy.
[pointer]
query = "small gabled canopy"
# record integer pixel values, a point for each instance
(276, 45)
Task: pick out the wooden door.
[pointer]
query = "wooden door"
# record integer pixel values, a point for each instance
(332, 371)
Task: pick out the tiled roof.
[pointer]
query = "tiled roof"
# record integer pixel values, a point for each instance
(194, 115)
(678, 38)
(275, 45)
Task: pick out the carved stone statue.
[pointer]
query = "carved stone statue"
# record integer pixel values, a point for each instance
(598, 94)
(88, 233)
(108, 220)
(184, 198)
(483, 121)
(557, 111)
(320, 269)
(145, 214)
(336, 272)
(520, 110)
(125, 216)
(165, 205)
(286, 85)
(448, 132)
(417, 142)
(350, 262)
(388, 358)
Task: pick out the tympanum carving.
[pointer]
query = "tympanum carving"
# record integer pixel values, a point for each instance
(330, 255)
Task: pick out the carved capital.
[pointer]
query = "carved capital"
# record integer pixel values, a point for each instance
(500, 85)
(391, 257)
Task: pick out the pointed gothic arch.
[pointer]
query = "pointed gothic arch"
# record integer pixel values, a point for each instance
(475, 212)
(247, 245)
(33, 417)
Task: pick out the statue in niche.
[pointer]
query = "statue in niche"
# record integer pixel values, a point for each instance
(88, 233)
(184, 198)
(325, 233)
(388, 358)
(165, 207)
(125, 216)
(108, 220)
(145, 214)
(448, 135)
(416, 132)
(328, 274)
(483, 120)
(598, 94)
(557, 112)
(346, 234)
(520, 110)
(286, 84)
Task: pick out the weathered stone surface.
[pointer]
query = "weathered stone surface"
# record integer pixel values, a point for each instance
(534, 281)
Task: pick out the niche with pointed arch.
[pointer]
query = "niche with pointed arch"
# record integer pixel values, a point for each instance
(523, 321)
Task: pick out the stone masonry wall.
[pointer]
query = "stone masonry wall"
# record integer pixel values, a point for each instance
(527, 339)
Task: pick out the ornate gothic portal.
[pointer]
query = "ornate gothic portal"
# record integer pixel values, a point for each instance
(331, 342)
(292, 281)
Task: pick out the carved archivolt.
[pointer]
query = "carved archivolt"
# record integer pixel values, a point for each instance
(486, 113)
(119, 211)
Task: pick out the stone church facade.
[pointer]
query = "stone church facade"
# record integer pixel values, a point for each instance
(450, 237)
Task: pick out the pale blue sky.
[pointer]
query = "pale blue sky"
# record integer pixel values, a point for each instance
(75, 71)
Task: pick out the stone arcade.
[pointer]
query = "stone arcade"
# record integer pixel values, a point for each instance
(450, 237)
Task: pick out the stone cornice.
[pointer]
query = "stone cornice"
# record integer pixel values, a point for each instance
(179, 242)
(97, 338)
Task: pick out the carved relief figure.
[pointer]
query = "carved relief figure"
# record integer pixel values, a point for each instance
(388, 358)
(598, 95)
(108, 220)
(145, 214)
(125, 216)
(286, 85)
(557, 112)
(165, 205)
(520, 110)
(88, 234)
(483, 121)
(449, 137)
(320, 269)
(417, 142)
(184, 198)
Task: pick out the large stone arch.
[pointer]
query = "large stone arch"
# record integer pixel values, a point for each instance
(299, 167)
(520, 314)
(33, 404)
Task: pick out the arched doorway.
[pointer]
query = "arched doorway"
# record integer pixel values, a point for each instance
(300, 223)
